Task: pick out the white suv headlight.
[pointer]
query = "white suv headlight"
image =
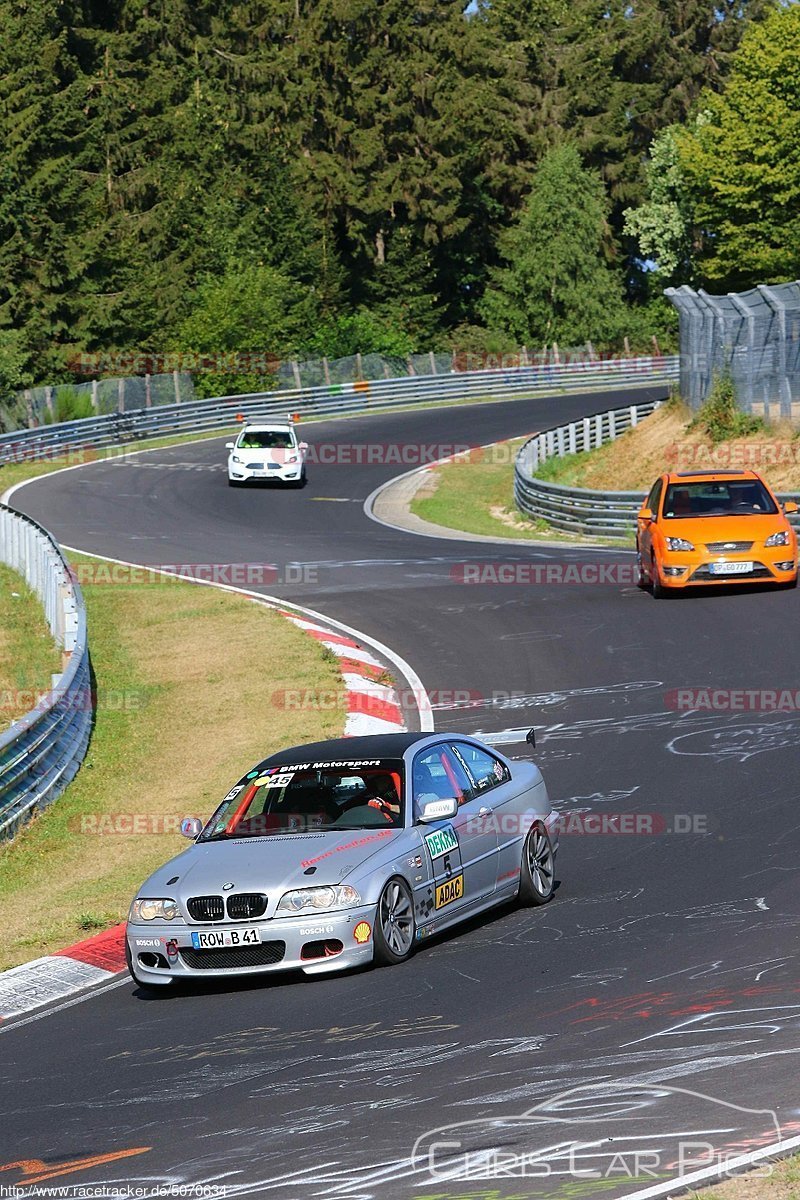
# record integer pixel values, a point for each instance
(317, 899)
(778, 539)
(143, 910)
(676, 543)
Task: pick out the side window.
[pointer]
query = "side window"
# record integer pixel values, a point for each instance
(655, 496)
(438, 775)
(484, 769)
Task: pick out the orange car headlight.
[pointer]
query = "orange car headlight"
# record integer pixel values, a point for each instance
(778, 539)
(676, 543)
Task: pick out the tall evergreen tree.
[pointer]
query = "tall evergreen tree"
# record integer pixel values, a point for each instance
(557, 286)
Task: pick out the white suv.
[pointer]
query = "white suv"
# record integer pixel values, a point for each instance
(267, 452)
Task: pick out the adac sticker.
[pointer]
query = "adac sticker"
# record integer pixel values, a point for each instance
(362, 932)
(450, 890)
(441, 841)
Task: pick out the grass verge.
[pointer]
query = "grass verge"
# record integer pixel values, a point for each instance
(188, 682)
(671, 439)
(783, 1183)
(475, 494)
(28, 654)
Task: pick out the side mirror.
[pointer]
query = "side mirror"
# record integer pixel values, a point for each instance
(437, 810)
(303, 445)
(229, 445)
(646, 514)
(790, 507)
(530, 738)
(191, 827)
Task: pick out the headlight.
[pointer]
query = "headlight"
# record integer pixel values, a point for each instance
(318, 899)
(778, 539)
(235, 459)
(679, 544)
(154, 910)
(292, 458)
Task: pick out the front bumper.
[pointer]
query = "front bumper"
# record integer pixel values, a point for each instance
(282, 474)
(679, 569)
(165, 952)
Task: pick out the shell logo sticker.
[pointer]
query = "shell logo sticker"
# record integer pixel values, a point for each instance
(362, 932)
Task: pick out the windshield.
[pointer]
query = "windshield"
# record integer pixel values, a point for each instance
(726, 498)
(311, 796)
(266, 439)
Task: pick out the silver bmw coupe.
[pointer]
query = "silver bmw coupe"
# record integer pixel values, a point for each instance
(341, 853)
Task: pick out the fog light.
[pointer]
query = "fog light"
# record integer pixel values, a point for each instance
(673, 570)
(785, 566)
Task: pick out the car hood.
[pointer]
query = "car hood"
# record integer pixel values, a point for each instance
(273, 865)
(702, 530)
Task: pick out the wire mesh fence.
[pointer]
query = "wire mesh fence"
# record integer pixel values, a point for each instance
(752, 336)
(142, 381)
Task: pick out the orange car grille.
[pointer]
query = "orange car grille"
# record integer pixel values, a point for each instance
(733, 547)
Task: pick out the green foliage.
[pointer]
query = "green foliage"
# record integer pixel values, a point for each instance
(557, 286)
(375, 155)
(740, 162)
(720, 416)
(662, 225)
(359, 332)
(247, 319)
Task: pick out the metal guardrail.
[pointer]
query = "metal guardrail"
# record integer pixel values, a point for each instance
(582, 510)
(48, 441)
(41, 752)
(578, 510)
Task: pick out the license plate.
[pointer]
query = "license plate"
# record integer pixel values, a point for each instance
(731, 568)
(215, 939)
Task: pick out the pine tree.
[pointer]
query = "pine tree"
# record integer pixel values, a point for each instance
(557, 286)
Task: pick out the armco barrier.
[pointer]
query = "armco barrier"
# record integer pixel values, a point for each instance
(41, 752)
(47, 441)
(581, 510)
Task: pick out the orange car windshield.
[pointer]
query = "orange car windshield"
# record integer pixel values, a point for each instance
(725, 498)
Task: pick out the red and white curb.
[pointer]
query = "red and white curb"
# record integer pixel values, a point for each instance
(55, 976)
(372, 706)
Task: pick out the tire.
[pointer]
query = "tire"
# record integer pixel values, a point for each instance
(152, 989)
(537, 876)
(660, 592)
(395, 928)
(234, 483)
(643, 581)
(301, 482)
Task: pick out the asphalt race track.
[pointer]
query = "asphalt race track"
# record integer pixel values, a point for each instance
(665, 969)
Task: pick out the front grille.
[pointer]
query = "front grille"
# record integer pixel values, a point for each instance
(206, 908)
(231, 958)
(733, 547)
(246, 905)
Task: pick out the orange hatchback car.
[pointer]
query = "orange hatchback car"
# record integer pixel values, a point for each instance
(707, 527)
